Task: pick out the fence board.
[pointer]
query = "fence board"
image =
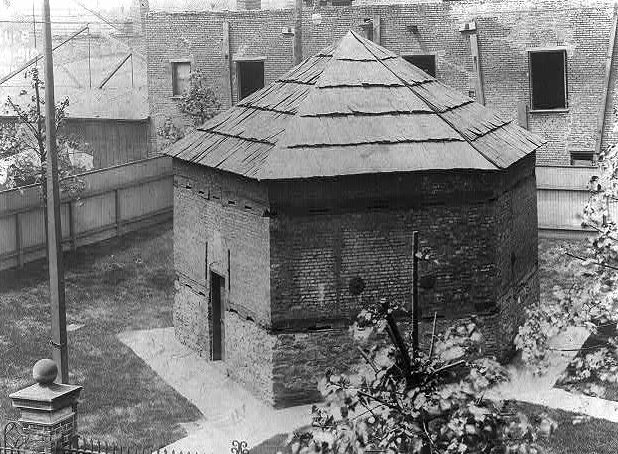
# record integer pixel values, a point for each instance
(32, 227)
(561, 197)
(144, 195)
(7, 235)
(564, 177)
(140, 200)
(94, 212)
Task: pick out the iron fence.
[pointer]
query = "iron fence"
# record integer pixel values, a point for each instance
(16, 441)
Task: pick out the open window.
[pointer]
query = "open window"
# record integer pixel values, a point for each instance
(548, 79)
(181, 72)
(425, 62)
(582, 158)
(250, 77)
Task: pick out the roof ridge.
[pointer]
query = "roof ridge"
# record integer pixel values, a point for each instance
(372, 142)
(431, 106)
(226, 134)
(265, 109)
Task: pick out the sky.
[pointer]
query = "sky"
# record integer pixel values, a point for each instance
(9, 9)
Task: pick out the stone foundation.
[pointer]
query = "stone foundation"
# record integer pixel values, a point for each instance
(283, 368)
(191, 317)
(248, 355)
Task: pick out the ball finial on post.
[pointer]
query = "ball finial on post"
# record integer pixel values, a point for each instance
(45, 371)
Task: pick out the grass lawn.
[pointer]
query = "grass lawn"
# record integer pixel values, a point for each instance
(122, 284)
(596, 436)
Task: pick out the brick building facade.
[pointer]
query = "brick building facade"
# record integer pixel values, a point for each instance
(576, 31)
(317, 182)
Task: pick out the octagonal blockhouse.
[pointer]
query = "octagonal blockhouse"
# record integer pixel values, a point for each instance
(295, 209)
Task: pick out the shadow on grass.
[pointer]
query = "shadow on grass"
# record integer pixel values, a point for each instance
(594, 436)
(594, 343)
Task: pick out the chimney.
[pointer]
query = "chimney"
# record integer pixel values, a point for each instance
(248, 4)
(144, 7)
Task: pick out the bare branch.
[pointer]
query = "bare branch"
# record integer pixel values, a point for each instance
(583, 259)
(433, 334)
(366, 358)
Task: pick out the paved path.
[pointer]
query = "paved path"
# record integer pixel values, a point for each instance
(526, 387)
(230, 411)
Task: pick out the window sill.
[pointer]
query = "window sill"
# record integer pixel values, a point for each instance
(583, 165)
(176, 97)
(562, 110)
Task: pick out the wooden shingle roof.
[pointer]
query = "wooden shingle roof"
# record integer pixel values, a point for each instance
(354, 108)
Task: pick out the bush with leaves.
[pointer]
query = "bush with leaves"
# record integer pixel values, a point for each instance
(592, 301)
(169, 133)
(199, 101)
(403, 401)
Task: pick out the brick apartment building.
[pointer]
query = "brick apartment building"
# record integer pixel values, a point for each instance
(542, 63)
(295, 208)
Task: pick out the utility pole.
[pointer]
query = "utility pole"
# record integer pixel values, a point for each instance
(298, 31)
(415, 314)
(54, 240)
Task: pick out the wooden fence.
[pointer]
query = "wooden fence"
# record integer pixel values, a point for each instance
(130, 196)
(115, 200)
(561, 196)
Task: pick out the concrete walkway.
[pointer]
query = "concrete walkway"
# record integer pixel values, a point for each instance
(230, 411)
(526, 387)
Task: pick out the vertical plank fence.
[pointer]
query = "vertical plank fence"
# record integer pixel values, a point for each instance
(561, 197)
(115, 200)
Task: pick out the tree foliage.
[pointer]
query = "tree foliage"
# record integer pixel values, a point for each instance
(402, 401)
(24, 140)
(592, 301)
(199, 101)
(169, 133)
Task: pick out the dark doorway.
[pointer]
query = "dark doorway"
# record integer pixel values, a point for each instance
(217, 287)
(425, 62)
(250, 77)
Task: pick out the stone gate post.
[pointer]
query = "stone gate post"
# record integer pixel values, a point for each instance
(48, 410)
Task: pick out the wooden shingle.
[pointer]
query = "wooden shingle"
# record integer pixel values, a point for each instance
(355, 108)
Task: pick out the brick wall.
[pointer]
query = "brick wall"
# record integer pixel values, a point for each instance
(219, 226)
(45, 438)
(474, 223)
(506, 29)
(295, 246)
